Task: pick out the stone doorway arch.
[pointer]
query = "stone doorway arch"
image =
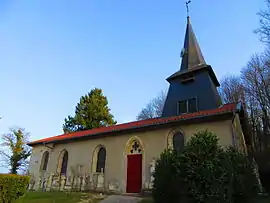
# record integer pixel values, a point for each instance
(134, 165)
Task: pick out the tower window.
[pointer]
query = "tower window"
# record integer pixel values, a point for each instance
(192, 106)
(183, 107)
(187, 106)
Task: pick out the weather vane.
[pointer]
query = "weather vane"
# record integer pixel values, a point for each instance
(187, 3)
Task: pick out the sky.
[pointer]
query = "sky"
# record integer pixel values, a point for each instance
(54, 51)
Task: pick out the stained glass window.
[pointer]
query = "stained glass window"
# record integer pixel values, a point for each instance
(135, 148)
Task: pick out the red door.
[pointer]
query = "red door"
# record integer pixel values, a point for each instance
(134, 173)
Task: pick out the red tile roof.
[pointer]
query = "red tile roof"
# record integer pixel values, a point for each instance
(226, 108)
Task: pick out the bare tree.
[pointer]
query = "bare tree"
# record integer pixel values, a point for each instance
(255, 77)
(154, 108)
(256, 80)
(15, 152)
(252, 88)
(264, 26)
(232, 89)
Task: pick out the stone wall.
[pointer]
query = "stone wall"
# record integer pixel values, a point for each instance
(55, 182)
(90, 182)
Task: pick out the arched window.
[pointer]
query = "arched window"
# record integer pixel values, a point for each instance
(178, 141)
(134, 147)
(101, 158)
(64, 163)
(44, 161)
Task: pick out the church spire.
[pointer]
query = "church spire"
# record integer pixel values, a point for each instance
(191, 53)
(193, 87)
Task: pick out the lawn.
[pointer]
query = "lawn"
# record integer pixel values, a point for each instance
(146, 200)
(56, 197)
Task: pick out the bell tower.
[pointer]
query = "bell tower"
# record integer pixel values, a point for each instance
(193, 87)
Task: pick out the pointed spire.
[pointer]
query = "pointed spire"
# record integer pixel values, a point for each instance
(191, 53)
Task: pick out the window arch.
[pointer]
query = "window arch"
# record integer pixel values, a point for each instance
(134, 146)
(63, 162)
(44, 161)
(178, 141)
(101, 159)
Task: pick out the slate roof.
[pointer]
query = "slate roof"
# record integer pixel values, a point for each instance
(192, 54)
(194, 69)
(192, 57)
(226, 108)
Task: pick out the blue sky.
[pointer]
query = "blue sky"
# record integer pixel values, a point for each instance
(53, 52)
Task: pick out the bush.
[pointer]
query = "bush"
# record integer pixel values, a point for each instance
(245, 185)
(204, 172)
(203, 177)
(166, 184)
(263, 161)
(12, 187)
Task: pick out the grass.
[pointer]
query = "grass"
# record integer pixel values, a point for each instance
(54, 197)
(147, 200)
(76, 197)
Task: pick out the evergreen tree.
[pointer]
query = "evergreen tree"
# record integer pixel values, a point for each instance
(92, 111)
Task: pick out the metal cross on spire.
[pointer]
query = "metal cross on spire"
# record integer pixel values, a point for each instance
(187, 3)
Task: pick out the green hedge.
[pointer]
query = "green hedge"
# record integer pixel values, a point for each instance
(12, 187)
(166, 182)
(204, 172)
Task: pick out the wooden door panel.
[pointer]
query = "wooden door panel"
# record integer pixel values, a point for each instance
(134, 173)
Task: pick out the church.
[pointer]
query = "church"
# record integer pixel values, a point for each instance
(121, 158)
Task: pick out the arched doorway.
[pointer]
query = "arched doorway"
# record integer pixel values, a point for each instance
(134, 166)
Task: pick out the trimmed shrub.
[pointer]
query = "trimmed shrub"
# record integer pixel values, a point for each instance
(166, 183)
(12, 187)
(245, 185)
(203, 177)
(204, 172)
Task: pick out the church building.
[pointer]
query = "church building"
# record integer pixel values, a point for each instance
(121, 158)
